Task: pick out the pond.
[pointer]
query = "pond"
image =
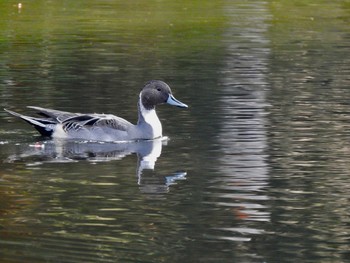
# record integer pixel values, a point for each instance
(257, 169)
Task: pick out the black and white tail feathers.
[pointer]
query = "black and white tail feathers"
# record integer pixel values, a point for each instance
(44, 126)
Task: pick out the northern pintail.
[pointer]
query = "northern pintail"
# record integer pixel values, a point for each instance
(106, 127)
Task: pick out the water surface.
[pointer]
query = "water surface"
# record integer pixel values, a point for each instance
(256, 170)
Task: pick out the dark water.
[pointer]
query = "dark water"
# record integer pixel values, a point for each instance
(256, 170)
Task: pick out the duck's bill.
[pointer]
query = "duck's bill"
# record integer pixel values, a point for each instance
(172, 101)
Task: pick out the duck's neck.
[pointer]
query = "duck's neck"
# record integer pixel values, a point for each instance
(149, 122)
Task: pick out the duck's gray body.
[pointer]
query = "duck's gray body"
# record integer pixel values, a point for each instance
(106, 127)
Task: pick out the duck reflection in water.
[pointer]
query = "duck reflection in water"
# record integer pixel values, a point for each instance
(62, 151)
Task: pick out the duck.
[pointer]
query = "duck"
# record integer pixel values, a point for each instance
(106, 127)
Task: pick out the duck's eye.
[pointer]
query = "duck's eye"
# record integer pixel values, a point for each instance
(158, 89)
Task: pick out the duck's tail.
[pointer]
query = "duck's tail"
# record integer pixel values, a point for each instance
(44, 126)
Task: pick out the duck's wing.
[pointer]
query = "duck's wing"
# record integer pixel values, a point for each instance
(72, 122)
(90, 121)
(54, 115)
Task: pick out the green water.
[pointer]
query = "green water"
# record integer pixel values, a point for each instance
(256, 170)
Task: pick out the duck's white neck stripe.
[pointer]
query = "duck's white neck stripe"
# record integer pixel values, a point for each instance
(151, 118)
